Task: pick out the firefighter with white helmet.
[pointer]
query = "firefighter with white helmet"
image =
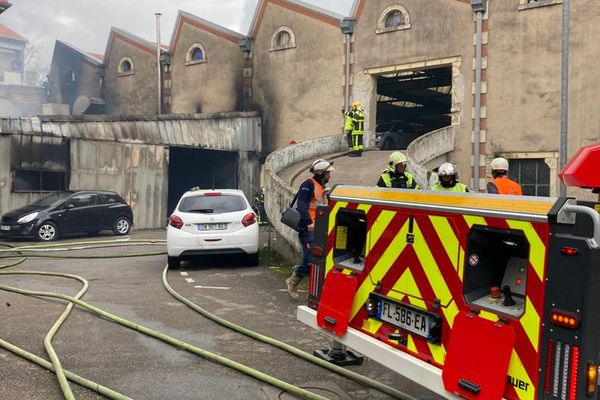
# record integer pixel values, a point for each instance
(502, 184)
(395, 175)
(309, 196)
(448, 179)
(354, 127)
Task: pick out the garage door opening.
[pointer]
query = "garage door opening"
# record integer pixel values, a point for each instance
(412, 103)
(189, 167)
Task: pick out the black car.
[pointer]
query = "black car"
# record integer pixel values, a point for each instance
(395, 135)
(68, 212)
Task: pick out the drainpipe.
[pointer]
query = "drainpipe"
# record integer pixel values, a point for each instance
(347, 26)
(479, 7)
(564, 89)
(158, 62)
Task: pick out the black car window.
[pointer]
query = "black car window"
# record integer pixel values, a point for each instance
(213, 204)
(82, 200)
(51, 199)
(107, 198)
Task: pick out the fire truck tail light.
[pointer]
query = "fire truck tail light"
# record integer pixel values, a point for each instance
(371, 307)
(574, 368)
(317, 251)
(592, 379)
(569, 251)
(565, 319)
(548, 373)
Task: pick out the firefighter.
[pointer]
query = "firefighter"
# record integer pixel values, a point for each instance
(501, 184)
(448, 179)
(309, 195)
(395, 175)
(354, 128)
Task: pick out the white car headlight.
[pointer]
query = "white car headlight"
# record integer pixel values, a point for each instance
(27, 218)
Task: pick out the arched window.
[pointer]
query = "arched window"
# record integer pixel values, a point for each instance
(393, 18)
(283, 38)
(125, 66)
(195, 54)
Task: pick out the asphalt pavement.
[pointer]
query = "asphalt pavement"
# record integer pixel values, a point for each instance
(145, 368)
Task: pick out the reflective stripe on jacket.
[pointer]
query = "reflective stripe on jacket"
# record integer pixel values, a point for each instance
(504, 185)
(355, 122)
(458, 187)
(403, 181)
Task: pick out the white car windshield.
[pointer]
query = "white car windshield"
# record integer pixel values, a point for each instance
(212, 204)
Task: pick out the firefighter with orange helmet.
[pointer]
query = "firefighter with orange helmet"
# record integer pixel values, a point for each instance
(310, 195)
(448, 179)
(354, 127)
(395, 175)
(502, 184)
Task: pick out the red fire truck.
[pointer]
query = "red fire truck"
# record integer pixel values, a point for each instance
(471, 295)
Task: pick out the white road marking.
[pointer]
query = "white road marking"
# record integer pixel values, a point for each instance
(184, 273)
(212, 287)
(189, 280)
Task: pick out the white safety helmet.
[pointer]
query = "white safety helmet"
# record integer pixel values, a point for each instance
(500, 164)
(321, 165)
(446, 169)
(397, 157)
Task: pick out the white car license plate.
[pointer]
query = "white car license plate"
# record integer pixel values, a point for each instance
(5, 228)
(404, 317)
(212, 227)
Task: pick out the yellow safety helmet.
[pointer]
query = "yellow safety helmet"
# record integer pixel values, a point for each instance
(397, 157)
(356, 104)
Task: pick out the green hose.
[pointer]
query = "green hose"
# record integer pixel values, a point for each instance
(284, 346)
(111, 394)
(305, 394)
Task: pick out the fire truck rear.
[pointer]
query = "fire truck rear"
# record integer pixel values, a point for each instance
(471, 295)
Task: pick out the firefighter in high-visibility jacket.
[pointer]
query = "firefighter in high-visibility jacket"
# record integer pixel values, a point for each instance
(395, 175)
(354, 127)
(447, 179)
(502, 184)
(310, 195)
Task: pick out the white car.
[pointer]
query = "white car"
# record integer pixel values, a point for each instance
(212, 222)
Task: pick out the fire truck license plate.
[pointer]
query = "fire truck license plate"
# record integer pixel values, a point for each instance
(403, 317)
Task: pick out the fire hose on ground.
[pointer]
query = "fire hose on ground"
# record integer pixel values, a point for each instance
(64, 376)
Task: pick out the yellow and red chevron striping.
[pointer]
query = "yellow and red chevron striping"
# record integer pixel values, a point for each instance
(432, 268)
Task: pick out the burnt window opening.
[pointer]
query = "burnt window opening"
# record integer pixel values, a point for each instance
(70, 78)
(39, 164)
(350, 239)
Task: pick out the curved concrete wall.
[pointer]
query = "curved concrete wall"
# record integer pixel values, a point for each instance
(427, 148)
(279, 194)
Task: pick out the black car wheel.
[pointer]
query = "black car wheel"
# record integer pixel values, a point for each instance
(174, 262)
(47, 232)
(122, 226)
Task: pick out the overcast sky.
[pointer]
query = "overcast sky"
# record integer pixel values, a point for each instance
(86, 23)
